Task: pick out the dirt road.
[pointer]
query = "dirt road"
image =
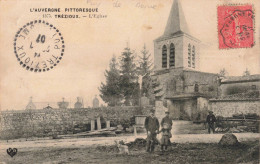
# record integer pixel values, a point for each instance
(194, 148)
(101, 141)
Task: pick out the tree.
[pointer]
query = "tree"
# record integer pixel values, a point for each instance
(246, 72)
(223, 72)
(144, 70)
(110, 92)
(128, 80)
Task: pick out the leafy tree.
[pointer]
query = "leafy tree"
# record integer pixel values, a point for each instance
(110, 92)
(128, 81)
(144, 70)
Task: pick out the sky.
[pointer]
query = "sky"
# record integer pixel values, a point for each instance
(91, 43)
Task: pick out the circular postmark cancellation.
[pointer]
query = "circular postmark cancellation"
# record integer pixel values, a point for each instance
(235, 25)
(38, 46)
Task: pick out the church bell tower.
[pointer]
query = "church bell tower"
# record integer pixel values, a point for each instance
(176, 48)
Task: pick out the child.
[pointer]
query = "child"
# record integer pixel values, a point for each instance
(166, 135)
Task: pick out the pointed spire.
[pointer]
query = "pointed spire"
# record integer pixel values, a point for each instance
(176, 21)
(30, 105)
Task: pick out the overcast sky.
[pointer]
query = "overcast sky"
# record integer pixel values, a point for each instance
(90, 44)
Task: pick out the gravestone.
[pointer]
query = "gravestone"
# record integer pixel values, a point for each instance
(92, 125)
(107, 124)
(98, 123)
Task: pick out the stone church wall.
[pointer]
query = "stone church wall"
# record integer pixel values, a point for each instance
(202, 109)
(207, 83)
(177, 81)
(42, 123)
(182, 110)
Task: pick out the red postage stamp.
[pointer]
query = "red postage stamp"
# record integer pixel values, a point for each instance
(235, 26)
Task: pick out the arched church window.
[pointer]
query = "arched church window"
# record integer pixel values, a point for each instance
(164, 57)
(189, 55)
(174, 86)
(193, 56)
(172, 55)
(196, 88)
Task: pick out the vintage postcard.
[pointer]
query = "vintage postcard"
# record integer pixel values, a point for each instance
(129, 81)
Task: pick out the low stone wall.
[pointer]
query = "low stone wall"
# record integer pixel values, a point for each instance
(42, 123)
(227, 108)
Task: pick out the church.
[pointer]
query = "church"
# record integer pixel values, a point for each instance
(184, 90)
(177, 78)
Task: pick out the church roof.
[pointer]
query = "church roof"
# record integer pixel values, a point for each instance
(30, 105)
(176, 23)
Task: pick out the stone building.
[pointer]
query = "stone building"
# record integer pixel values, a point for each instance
(188, 93)
(238, 94)
(178, 81)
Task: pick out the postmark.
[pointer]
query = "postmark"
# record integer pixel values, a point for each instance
(235, 26)
(38, 46)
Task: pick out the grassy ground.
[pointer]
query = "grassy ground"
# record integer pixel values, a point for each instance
(178, 153)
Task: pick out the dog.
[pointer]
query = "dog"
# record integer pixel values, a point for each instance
(123, 149)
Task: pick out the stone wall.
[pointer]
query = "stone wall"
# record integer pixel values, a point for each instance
(42, 123)
(183, 110)
(227, 108)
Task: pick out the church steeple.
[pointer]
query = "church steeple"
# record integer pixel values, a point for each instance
(30, 105)
(176, 21)
(176, 48)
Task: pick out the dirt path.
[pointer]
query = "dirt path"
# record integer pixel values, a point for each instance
(82, 142)
(194, 148)
(197, 153)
